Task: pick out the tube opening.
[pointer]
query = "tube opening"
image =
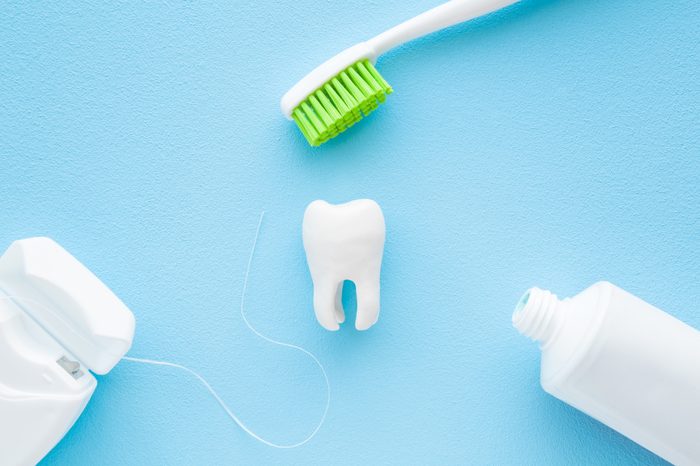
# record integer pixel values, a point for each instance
(535, 314)
(521, 305)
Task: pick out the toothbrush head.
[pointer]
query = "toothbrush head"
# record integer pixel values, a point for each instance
(336, 95)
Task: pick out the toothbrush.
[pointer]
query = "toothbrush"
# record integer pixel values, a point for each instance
(335, 95)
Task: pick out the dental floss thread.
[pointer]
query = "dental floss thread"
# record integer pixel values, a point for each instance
(208, 386)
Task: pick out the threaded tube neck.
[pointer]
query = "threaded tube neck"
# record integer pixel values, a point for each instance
(536, 316)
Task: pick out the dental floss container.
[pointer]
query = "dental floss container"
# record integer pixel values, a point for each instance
(58, 322)
(622, 361)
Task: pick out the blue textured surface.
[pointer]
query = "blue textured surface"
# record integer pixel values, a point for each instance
(552, 144)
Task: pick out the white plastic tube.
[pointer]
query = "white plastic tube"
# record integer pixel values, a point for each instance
(622, 361)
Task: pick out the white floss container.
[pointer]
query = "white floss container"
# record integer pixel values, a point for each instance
(58, 322)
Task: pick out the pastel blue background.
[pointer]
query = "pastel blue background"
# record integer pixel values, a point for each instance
(552, 144)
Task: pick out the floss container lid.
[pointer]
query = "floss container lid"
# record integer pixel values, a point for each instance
(67, 301)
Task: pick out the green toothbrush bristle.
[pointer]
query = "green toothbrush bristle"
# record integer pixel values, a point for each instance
(341, 102)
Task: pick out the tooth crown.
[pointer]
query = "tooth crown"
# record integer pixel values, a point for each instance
(344, 242)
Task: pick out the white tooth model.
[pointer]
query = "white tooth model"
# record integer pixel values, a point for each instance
(344, 242)
(58, 322)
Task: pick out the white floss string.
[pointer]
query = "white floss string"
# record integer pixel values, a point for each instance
(216, 396)
(208, 386)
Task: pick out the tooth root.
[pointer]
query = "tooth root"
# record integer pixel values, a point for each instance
(367, 303)
(339, 311)
(325, 306)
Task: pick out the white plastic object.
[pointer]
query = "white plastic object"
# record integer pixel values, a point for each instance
(622, 361)
(440, 17)
(344, 242)
(58, 322)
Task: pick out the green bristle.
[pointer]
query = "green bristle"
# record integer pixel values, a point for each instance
(341, 102)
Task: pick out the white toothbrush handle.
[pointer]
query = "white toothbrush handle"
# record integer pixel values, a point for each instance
(440, 17)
